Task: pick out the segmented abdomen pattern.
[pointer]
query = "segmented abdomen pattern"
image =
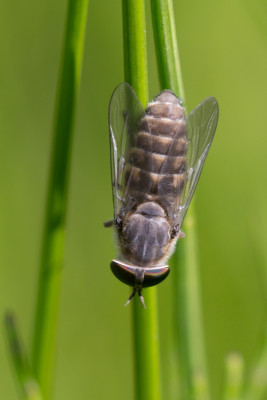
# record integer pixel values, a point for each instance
(156, 169)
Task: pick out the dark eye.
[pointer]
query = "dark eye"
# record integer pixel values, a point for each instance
(126, 273)
(153, 276)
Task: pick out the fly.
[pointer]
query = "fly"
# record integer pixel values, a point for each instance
(157, 155)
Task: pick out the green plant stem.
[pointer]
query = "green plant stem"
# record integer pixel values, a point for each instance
(169, 66)
(234, 366)
(29, 387)
(188, 329)
(188, 313)
(44, 334)
(145, 324)
(134, 47)
(256, 387)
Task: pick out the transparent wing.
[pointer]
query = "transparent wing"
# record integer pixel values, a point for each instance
(201, 124)
(125, 112)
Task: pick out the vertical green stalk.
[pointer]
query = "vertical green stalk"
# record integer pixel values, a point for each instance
(234, 380)
(27, 383)
(44, 335)
(145, 324)
(188, 314)
(134, 47)
(169, 66)
(188, 331)
(256, 383)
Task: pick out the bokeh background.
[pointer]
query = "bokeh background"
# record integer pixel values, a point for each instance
(223, 47)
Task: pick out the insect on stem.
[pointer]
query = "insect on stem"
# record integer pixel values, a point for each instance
(157, 155)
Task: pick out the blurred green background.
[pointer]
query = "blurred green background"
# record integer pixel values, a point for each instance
(223, 48)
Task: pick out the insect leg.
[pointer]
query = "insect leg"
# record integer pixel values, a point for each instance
(109, 223)
(141, 298)
(130, 298)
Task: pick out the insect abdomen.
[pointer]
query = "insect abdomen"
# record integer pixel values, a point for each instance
(157, 163)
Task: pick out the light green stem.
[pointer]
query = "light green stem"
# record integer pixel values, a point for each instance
(256, 386)
(28, 385)
(134, 46)
(234, 367)
(145, 323)
(169, 66)
(188, 313)
(188, 338)
(44, 335)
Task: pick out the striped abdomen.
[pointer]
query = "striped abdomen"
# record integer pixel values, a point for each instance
(156, 167)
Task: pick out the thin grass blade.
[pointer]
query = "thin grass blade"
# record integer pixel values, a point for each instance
(29, 387)
(234, 372)
(188, 321)
(145, 322)
(256, 386)
(45, 324)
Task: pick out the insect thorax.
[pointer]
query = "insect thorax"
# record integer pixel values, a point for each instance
(145, 235)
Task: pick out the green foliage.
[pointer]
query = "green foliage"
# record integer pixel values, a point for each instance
(223, 53)
(40, 367)
(145, 322)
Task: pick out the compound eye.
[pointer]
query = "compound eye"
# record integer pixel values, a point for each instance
(124, 272)
(153, 276)
(127, 274)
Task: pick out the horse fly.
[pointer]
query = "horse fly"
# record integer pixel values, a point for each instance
(157, 155)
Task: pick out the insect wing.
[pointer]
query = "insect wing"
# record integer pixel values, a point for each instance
(201, 124)
(125, 112)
